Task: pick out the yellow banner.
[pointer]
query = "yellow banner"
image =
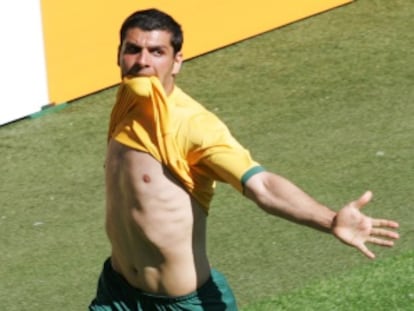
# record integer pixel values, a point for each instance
(81, 37)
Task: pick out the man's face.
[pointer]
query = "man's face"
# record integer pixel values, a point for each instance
(149, 53)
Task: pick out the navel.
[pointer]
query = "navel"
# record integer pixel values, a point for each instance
(146, 178)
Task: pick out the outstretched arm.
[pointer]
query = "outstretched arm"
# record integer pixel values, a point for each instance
(278, 196)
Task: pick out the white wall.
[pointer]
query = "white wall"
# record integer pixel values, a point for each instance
(23, 82)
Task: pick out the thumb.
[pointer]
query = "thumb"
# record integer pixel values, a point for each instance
(363, 200)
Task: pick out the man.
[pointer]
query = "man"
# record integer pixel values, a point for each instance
(165, 151)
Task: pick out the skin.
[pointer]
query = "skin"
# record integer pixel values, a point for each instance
(158, 231)
(149, 53)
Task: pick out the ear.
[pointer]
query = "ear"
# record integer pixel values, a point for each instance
(118, 55)
(178, 60)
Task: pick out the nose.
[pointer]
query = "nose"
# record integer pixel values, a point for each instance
(142, 59)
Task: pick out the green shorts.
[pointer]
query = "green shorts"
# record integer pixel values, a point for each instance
(114, 293)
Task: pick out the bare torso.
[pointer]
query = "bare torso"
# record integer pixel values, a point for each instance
(157, 231)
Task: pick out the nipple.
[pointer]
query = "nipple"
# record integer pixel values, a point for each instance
(146, 178)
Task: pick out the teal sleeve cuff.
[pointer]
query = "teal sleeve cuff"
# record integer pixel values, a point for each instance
(253, 171)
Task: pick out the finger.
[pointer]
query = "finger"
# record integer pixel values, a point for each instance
(385, 233)
(380, 242)
(366, 251)
(385, 223)
(364, 199)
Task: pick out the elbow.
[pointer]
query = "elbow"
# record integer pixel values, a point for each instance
(257, 191)
(262, 200)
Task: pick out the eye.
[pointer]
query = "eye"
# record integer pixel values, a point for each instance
(157, 52)
(131, 49)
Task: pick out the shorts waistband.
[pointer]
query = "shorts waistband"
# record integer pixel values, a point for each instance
(113, 275)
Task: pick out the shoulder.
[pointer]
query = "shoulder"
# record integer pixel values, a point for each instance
(183, 100)
(193, 117)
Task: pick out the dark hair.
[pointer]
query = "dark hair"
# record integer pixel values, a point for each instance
(153, 19)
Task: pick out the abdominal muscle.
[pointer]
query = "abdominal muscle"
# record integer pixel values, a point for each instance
(157, 231)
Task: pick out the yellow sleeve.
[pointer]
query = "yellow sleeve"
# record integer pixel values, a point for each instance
(216, 153)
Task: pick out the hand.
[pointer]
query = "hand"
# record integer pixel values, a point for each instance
(355, 229)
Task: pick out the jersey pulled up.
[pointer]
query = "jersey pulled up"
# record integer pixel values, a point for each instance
(180, 133)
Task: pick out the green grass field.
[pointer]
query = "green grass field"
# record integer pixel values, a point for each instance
(327, 102)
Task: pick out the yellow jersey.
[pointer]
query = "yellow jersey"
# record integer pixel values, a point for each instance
(184, 136)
